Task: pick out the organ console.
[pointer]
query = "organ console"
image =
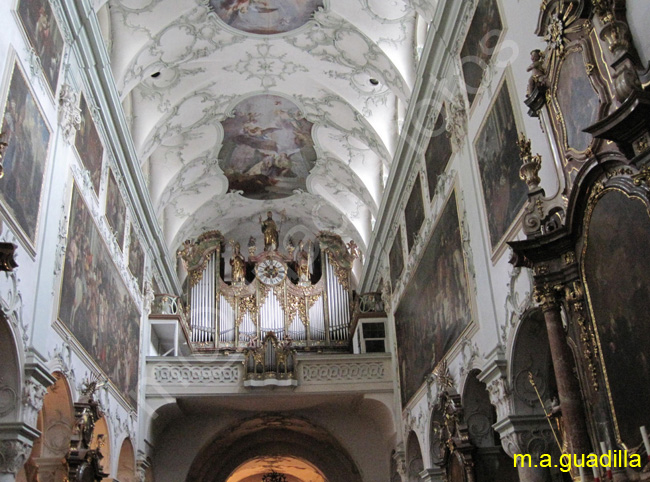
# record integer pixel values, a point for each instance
(302, 294)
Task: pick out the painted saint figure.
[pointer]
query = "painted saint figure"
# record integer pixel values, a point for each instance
(270, 230)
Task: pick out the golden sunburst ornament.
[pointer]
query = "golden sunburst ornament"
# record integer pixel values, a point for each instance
(442, 376)
(555, 33)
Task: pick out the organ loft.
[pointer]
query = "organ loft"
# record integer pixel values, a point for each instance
(297, 294)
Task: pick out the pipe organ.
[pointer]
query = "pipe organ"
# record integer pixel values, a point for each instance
(301, 295)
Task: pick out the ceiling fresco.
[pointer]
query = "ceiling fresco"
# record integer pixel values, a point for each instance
(299, 115)
(265, 17)
(267, 151)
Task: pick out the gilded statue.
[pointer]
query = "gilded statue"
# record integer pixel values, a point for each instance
(303, 260)
(237, 265)
(270, 230)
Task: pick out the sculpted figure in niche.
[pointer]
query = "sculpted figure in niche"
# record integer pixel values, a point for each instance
(237, 265)
(270, 230)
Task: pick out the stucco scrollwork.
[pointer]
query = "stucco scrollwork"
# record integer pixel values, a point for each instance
(69, 113)
(13, 454)
(457, 121)
(33, 395)
(8, 399)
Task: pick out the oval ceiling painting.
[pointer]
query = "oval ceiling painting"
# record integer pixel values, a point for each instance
(267, 150)
(265, 17)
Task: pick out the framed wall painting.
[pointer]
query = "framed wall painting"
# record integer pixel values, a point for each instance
(576, 99)
(480, 45)
(396, 258)
(27, 135)
(42, 30)
(95, 305)
(115, 209)
(136, 259)
(436, 306)
(438, 152)
(414, 213)
(498, 159)
(615, 263)
(88, 144)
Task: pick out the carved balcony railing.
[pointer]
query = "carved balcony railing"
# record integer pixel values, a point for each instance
(228, 374)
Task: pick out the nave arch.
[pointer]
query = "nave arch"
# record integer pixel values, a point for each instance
(272, 437)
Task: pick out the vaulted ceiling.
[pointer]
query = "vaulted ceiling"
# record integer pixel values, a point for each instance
(230, 123)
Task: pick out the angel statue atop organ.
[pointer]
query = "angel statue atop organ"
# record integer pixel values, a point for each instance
(270, 230)
(237, 265)
(303, 261)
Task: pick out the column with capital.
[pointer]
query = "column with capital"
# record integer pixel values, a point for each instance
(549, 296)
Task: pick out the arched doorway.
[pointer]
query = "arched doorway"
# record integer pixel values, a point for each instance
(126, 463)
(531, 355)
(102, 441)
(292, 468)
(270, 440)
(9, 374)
(55, 422)
(414, 462)
(491, 464)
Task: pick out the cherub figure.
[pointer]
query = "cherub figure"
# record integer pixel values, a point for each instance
(537, 70)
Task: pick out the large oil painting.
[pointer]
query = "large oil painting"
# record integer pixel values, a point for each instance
(498, 158)
(265, 17)
(436, 305)
(44, 35)
(414, 213)
(267, 150)
(616, 264)
(115, 210)
(578, 101)
(480, 45)
(438, 152)
(88, 145)
(136, 260)
(396, 258)
(95, 304)
(27, 137)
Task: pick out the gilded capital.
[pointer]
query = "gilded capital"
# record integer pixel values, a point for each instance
(548, 296)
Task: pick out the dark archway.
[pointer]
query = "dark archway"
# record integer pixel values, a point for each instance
(491, 463)
(531, 353)
(272, 436)
(414, 464)
(10, 380)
